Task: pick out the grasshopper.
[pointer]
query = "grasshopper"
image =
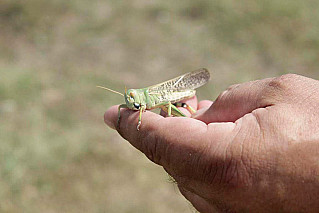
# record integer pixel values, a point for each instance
(167, 95)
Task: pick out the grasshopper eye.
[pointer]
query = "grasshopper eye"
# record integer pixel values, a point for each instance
(136, 105)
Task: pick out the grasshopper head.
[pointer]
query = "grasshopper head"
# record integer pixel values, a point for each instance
(132, 99)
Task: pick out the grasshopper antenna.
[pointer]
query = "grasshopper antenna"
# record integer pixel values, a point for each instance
(110, 90)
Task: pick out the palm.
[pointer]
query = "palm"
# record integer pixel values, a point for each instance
(255, 148)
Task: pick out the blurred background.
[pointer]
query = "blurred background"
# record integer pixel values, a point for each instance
(56, 154)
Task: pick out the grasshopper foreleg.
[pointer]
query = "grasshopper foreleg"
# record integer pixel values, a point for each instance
(142, 109)
(119, 114)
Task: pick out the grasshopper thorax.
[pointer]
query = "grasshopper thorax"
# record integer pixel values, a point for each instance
(132, 99)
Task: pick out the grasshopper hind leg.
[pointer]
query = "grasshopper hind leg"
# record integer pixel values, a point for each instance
(171, 109)
(184, 105)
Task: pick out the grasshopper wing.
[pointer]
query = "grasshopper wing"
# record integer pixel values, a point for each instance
(188, 81)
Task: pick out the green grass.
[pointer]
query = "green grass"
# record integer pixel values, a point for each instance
(56, 153)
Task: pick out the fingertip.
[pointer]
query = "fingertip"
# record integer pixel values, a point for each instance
(110, 117)
(185, 111)
(200, 113)
(204, 104)
(192, 102)
(203, 107)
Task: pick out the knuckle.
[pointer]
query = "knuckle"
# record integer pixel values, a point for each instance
(289, 77)
(229, 174)
(231, 171)
(279, 88)
(150, 146)
(235, 174)
(124, 125)
(213, 172)
(283, 83)
(223, 174)
(144, 140)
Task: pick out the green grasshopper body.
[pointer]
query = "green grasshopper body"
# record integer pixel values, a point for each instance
(164, 95)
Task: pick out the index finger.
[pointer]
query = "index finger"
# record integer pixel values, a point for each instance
(153, 125)
(166, 141)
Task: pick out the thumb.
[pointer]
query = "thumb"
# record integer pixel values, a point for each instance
(239, 100)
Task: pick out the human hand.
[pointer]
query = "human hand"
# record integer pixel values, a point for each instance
(256, 148)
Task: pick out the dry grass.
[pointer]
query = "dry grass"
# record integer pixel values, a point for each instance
(56, 153)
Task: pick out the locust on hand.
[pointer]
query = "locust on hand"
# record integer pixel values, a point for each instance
(167, 95)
